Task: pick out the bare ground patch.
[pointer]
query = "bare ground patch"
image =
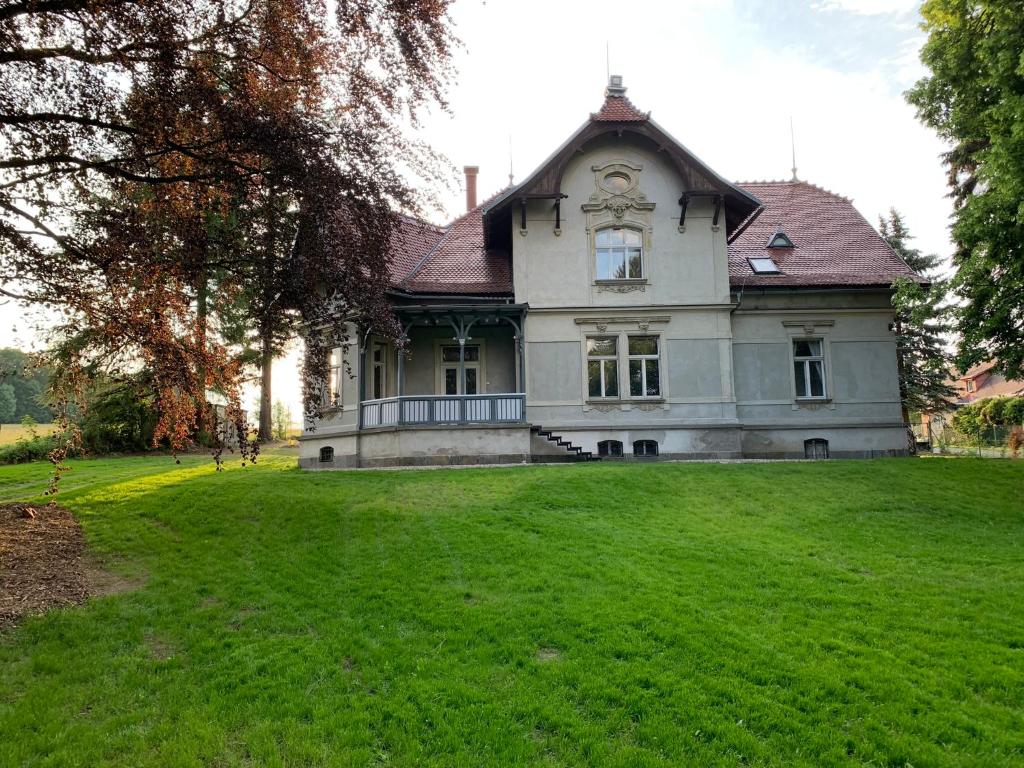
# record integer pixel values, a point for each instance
(44, 565)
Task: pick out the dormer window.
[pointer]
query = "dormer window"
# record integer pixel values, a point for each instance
(779, 239)
(619, 253)
(764, 266)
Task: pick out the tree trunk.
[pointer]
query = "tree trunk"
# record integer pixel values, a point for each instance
(266, 395)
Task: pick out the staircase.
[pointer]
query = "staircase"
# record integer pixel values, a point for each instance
(547, 446)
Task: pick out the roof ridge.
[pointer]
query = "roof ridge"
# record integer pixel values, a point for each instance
(426, 257)
(803, 182)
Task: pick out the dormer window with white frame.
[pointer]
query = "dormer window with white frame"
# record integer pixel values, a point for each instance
(619, 253)
(779, 239)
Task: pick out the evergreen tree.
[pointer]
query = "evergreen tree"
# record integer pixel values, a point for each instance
(921, 321)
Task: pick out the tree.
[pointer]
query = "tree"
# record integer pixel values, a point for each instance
(282, 420)
(136, 133)
(8, 403)
(30, 380)
(922, 360)
(974, 99)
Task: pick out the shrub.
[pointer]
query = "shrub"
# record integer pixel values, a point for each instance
(27, 449)
(119, 419)
(1016, 441)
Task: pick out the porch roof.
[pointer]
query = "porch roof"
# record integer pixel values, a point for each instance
(444, 314)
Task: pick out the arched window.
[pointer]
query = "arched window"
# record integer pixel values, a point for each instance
(609, 448)
(816, 448)
(327, 454)
(645, 448)
(619, 254)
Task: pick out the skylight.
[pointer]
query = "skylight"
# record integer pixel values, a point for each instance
(764, 265)
(780, 239)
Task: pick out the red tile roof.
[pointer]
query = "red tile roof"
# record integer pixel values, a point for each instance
(834, 244)
(619, 109)
(450, 259)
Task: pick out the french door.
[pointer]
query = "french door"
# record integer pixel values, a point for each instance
(449, 382)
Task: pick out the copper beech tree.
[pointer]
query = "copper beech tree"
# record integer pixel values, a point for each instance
(171, 168)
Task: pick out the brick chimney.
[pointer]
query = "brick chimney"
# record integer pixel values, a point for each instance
(471, 171)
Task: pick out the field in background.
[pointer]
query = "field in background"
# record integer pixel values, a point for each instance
(10, 433)
(798, 614)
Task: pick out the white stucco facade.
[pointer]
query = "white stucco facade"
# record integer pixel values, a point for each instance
(727, 355)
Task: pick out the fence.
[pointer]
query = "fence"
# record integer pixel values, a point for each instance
(988, 440)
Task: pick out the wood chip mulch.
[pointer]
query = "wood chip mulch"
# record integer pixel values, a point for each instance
(42, 560)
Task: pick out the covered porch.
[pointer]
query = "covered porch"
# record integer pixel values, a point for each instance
(457, 365)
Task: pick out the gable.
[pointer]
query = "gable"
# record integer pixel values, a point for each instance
(619, 118)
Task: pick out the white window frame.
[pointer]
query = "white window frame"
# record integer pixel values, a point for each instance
(480, 365)
(379, 365)
(602, 359)
(807, 360)
(335, 371)
(640, 232)
(643, 367)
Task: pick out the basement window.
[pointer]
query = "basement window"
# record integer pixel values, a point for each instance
(609, 448)
(645, 448)
(816, 448)
(764, 265)
(326, 454)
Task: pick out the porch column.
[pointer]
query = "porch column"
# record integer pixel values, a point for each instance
(521, 344)
(462, 374)
(362, 373)
(401, 367)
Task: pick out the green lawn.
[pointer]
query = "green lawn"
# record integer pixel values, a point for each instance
(798, 614)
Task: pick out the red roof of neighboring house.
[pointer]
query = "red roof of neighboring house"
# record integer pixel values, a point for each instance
(993, 385)
(977, 370)
(834, 244)
(449, 259)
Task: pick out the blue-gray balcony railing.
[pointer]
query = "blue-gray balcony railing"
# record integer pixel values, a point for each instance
(413, 410)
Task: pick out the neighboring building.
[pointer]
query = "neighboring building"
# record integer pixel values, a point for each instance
(625, 300)
(983, 381)
(978, 383)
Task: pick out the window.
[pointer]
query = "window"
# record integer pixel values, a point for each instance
(326, 454)
(779, 239)
(764, 266)
(645, 448)
(451, 354)
(609, 448)
(816, 448)
(809, 368)
(619, 254)
(644, 374)
(450, 367)
(603, 366)
(970, 385)
(379, 376)
(334, 368)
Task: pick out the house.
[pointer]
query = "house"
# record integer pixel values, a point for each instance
(978, 383)
(983, 381)
(625, 300)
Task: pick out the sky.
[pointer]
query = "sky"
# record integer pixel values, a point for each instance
(725, 77)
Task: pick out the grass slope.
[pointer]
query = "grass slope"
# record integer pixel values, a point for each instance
(808, 614)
